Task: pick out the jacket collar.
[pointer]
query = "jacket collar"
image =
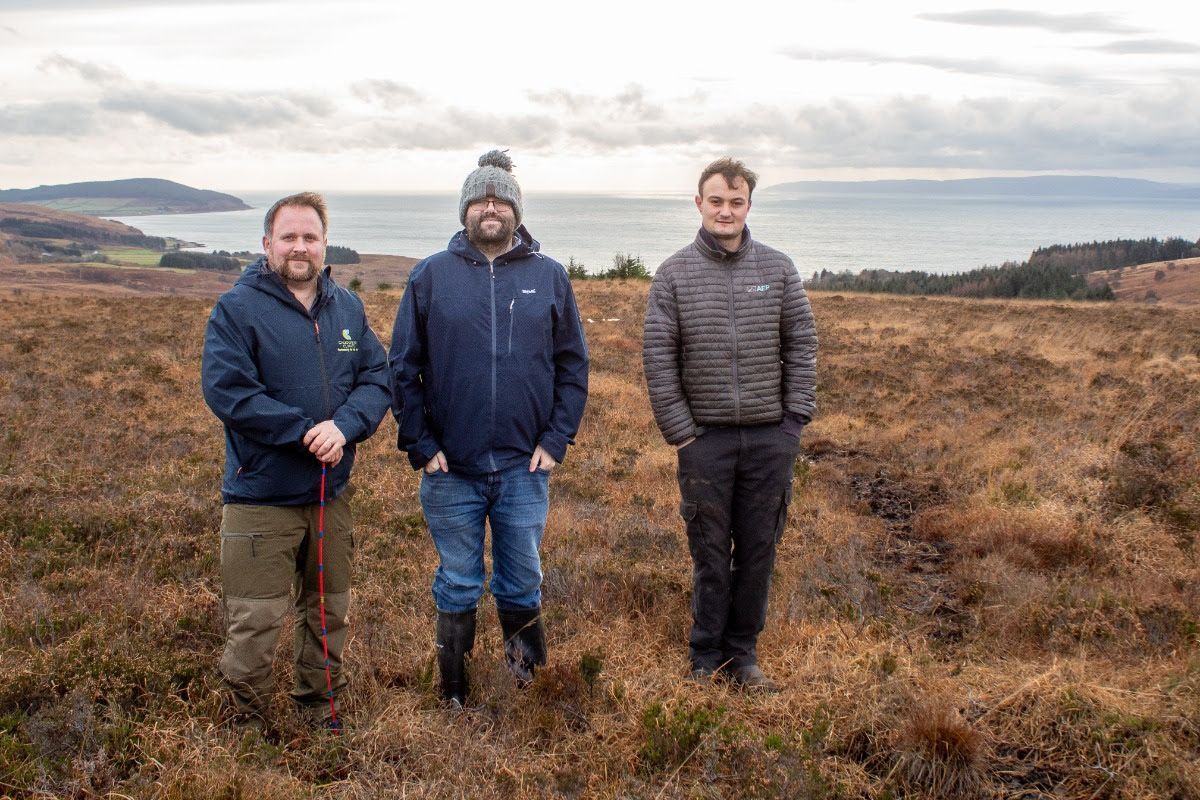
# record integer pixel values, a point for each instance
(261, 277)
(526, 245)
(711, 248)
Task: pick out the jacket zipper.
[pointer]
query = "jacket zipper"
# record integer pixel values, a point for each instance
(737, 394)
(495, 356)
(324, 372)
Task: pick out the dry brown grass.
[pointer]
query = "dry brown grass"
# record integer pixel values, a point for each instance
(988, 585)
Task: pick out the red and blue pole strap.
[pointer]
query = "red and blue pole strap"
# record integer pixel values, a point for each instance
(333, 718)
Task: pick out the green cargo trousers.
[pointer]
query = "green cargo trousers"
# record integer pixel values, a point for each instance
(268, 566)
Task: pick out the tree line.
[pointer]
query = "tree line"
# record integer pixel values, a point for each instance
(1114, 254)
(1057, 272)
(225, 261)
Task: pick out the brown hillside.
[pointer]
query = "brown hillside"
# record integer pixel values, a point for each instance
(1169, 282)
(987, 588)
(103, 228)
(105, 280)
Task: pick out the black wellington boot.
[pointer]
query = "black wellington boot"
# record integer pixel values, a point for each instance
(455, 639)
(524, 642)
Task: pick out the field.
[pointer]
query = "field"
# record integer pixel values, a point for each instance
(138, 256)
(988, 586)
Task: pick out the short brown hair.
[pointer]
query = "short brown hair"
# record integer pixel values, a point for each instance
(730, 170)
(304, 199)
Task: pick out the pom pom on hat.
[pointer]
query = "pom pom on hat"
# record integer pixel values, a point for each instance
(496, 158)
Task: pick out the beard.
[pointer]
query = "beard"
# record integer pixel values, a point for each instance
(294, 270)
(502, 234)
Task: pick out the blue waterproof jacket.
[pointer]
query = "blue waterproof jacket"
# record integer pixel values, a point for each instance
(272, 370)
(488, 360)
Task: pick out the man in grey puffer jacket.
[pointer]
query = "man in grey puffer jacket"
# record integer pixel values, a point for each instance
(730, 359)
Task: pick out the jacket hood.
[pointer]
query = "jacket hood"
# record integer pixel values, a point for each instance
(712, 249)
(526, 245)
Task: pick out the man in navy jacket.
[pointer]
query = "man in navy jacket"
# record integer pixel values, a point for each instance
(295, 373)
(489, 378)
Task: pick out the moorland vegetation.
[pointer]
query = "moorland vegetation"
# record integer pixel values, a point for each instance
(988, 585)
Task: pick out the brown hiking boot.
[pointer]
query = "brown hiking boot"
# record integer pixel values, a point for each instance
(752, 679)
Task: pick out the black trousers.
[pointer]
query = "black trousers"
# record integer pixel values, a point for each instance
(735, 485)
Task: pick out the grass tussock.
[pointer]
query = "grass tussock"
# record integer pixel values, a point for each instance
(987, 587)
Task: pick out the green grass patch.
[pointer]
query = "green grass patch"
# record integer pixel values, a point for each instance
(138, 256)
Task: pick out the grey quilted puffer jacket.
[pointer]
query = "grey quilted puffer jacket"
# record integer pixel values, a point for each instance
(729, 339)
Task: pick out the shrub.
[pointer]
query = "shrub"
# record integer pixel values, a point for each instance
(672, 736)
(626, 266)
(940, 754)
(576, 270)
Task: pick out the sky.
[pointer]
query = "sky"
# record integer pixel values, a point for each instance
(610, 97)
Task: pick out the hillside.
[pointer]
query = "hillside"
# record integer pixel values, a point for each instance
(1028, 186)
(33, 234)
(129, 197)
(1169, 282)
(988, 584)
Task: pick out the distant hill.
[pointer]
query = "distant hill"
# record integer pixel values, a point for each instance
(129, 197)
(35, 222)
(1030, 186)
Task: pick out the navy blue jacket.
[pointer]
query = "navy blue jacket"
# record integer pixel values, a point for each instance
(487, 360)
(272, 371)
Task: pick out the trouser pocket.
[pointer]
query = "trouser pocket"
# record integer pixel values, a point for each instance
(258, 550)
(781, 521)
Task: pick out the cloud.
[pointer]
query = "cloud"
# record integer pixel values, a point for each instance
(1012, 18)
(93, 73)
(213, 114)
(389, 94)
(1116, 129)
(630, 103)
(56, 119)
(447, 129)
(1055, 76)
(1081, 133)
(1148, 47)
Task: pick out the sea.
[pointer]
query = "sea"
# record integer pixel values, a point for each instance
(836, 232)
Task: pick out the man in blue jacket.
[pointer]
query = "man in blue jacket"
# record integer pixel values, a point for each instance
(295, 373)
(489, 378)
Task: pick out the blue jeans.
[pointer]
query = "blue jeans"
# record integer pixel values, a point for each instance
(514, 502)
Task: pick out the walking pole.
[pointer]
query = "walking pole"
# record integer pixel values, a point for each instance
(333, 719)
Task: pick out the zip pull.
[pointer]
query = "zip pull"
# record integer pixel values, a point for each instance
(511, 303)
(317, 331)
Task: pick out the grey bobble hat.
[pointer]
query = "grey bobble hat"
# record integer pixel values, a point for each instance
(494, 178)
